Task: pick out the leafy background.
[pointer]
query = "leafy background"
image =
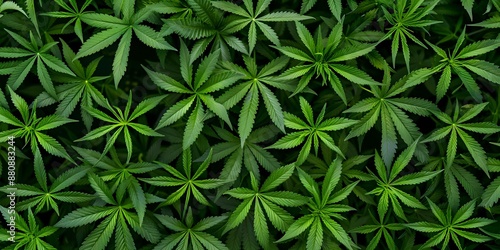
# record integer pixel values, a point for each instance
(285, 124)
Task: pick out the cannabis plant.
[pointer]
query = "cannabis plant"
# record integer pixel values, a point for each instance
(240, 124)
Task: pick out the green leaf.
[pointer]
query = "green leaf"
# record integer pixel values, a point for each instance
(40, 173)
(481, 127)
(121, 57)
(289, 141)
(123, 237)
(260, 226)
(20, 72)
(230, 7)
(336, 8)
(30, 5)
(98, 132)
(493, 22)
(469, 83)
(151, 38)
(273, 106)
(52, 121)
(365, 124)
(241, 193)
(56, 64)
(472, 236)
(138, 198)
(100, 236)
(9, 5)
(282, 16)
(354, 75)
(175, 112)
(68, 178)
(205, 69)
(338, 232)
(415, 178)
(100, 41)
(285, 198)
(167, 83)
(484, 69)
(146, 106)
(217, 108)
(299, 226)
(468, 6)
(425, 227)
(194, 126)
(315, 237)
(352, 52)
(45, 79)
(402, 160)
(389, 139)
(478, 48)
(309, 183)
(102, 21)
(491, 194)
(238, 215)
(277, 177)
(464, 213)
(52, 146)
(294, 53)
(472, 112)
(83, 216)
(475, 150)
(101, 188)
(210, 242)
(21, 105)
(332, 178)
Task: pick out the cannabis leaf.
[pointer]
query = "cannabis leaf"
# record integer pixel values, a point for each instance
(117, 219)
(254, 83)
(335, 7)
(71, 11)
(251, 155)
(189, 124)
(188, 234)
(403, 20)
(47, 196)
(456, 127)
(459, 60)
(208, 26)
(322, 58)
(455, 175)
(199, 89)
(263, 199)
(10, 5)
(189, 183)
(252, 16)
(122, 176)
(122, 122)
(116, 28)
(391, 109)
(79, 87)
(322, 207)
(31, 128)
(33, 51)
(387, 182)
(493, 22)
(29, 235)
(350, 173)
(491, 194)
(452, 226)
(468, 4)
(311, 131)
(383, 227)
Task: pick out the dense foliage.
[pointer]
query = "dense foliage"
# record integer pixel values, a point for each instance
(250, 124)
